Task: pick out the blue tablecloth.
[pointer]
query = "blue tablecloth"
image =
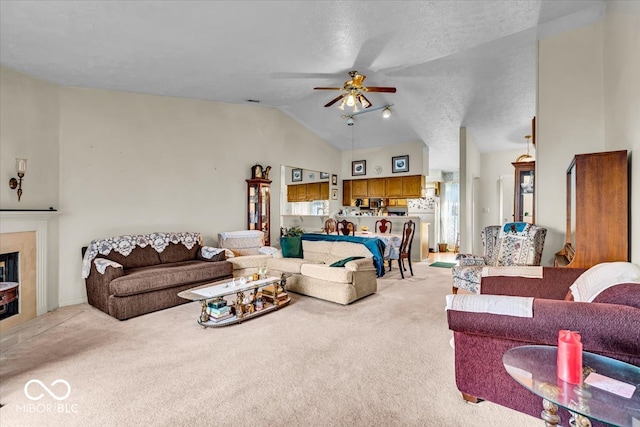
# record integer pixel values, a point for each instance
(375, 246)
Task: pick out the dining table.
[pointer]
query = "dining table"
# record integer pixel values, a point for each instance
(391, 242)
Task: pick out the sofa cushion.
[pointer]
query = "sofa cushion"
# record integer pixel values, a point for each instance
(317, 251)
(288, 265)
(325, 272)
(139, 257)
(243, 242)
(249, 261)
(151, 278)
(176, 252)
(343, 250)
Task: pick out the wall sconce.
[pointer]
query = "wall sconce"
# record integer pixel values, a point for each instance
(21, 168)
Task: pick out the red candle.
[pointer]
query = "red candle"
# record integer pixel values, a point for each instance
(569, 357)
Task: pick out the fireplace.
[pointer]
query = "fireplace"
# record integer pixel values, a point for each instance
(9, 284)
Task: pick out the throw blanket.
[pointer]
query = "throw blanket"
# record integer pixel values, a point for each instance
(603, 276)
(493, 304)
(126, 243)
(515, 227)
(375, 246)
(533, 272)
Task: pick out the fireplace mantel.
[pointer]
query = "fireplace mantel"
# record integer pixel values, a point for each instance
(15, 221)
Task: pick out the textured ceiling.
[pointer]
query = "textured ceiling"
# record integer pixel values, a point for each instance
(454, 63)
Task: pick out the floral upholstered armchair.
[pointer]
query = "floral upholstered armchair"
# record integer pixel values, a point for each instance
(511, 244)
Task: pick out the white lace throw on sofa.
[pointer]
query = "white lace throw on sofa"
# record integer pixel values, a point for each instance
(493, 304)
(125, 244)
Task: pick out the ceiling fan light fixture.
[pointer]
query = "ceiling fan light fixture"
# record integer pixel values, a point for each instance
(364, 101)
(351, 100)
(386, 113)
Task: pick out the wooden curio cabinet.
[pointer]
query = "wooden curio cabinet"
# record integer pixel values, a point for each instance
(523, 199)
(259, 211)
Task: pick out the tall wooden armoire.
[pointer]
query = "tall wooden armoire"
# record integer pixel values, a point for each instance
(597, 222)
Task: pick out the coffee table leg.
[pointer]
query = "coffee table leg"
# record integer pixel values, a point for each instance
(204, 316)
(550, 413)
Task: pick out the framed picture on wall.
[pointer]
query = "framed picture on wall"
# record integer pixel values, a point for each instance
(334, 194)
(296, 175)
(359, 167)
(400, 164)
(324, 175)
(334, 179)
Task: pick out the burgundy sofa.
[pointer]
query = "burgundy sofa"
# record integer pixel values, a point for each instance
(608, 326)
(144, 273)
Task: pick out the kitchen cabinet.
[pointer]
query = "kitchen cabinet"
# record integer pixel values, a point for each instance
(313, 191)
(346, 193)
(324, 191)
(377, 187)
(308, 192)
(405, 186)
(412, 186)
(394, 187)
(359, 188)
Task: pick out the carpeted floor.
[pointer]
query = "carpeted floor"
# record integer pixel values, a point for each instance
(382, 361)
(442, 264)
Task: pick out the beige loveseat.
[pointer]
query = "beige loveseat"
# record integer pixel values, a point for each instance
(313, 275)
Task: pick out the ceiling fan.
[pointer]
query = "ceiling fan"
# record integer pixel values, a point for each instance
(353, 92)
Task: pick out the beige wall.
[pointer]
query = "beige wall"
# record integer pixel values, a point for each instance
(569, 121)
(381, 156)
(28, 128)
(622, 97)
(496, 166)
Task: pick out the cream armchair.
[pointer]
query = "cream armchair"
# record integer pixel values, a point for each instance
(511, 244)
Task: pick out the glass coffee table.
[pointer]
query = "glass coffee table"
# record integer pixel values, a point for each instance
(253, 298)
(610, 391)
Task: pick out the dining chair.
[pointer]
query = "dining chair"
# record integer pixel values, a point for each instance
(408, 230)
(346, 228)
(330, 226)
(383, 226)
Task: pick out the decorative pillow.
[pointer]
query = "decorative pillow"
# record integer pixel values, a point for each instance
(342, 262)
(603, 276)
(208, 253)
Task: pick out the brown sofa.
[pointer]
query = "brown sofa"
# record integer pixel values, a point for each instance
(608, 326)
(130, 275)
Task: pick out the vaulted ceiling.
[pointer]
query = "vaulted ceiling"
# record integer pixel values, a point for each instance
(454, 63)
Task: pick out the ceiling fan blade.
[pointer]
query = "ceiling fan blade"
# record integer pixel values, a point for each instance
(338, 98)
(379, 89)
(327, 88)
